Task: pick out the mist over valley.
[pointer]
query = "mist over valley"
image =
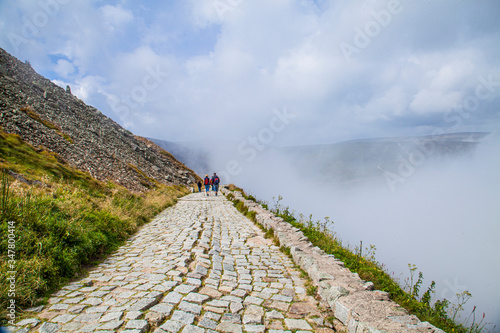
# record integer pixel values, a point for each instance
(430, 201)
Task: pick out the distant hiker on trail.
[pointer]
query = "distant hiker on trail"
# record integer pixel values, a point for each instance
(206, 181)
(199, 186)
(215, 182)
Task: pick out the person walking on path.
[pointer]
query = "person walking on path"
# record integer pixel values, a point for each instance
(207, 184)
(215, 182)
(199, 186)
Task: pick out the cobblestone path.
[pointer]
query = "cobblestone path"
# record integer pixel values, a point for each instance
(199, 266)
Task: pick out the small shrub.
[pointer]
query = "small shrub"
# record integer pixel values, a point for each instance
(311, 290)
(252, 216)
(232, 187)
(67, 138)
(286, 250)
(269, 233)
(250, 197)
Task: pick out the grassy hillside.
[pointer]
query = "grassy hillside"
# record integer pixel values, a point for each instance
(56, 220)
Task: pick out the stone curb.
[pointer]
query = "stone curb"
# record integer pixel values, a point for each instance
(353, 301)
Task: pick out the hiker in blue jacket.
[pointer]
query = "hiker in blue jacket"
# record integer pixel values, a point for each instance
(215, 182)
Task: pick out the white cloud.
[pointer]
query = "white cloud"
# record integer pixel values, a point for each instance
(208, 12)
(88, 87)
(307, 71)
(259, 55)
(392, 102)
(115, 16)
(429, 101)
(64, 68)
(454, 74)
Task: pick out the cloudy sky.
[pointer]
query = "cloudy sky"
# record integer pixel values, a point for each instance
(293, 71)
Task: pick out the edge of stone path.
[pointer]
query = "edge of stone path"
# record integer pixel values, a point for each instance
(353, 301)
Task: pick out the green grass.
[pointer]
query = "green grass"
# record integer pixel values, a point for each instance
(38, 163)
(61, 228)
(145, 181)
(35, 116)
(437, 313)
(286, 250)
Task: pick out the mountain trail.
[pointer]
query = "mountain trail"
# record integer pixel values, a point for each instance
(199, 266)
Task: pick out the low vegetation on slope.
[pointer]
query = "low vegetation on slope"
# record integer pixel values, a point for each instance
(56, 220)
(440, 313)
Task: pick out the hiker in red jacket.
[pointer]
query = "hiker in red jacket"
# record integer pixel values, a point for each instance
(206, 181)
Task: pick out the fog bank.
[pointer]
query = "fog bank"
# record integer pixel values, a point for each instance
(443, 217)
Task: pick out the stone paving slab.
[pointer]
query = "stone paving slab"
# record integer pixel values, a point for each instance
(199, 266)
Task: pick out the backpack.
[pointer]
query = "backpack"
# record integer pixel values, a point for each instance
(207, 181)
(216, 181)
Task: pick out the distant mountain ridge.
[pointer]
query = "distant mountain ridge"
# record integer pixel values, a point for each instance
(456, 137)
(359, 160)
(46, 116)
(349, 162)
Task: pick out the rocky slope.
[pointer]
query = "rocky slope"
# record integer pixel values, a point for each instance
(51, 118)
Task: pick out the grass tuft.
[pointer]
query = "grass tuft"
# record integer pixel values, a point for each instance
(286, 250)
(35, 116)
